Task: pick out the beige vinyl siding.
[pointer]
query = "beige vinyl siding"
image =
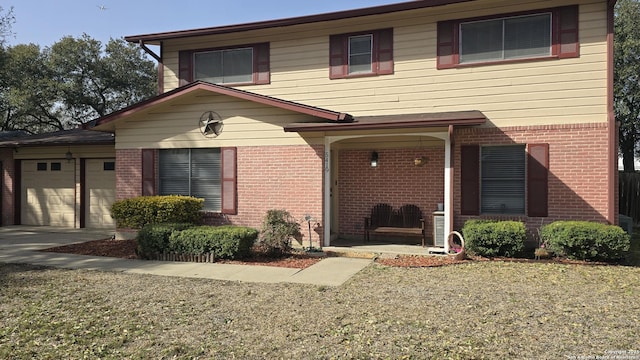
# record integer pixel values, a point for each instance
(531, 92)
(245, 124)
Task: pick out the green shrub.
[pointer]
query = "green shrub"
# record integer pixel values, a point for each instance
(584, 240)
(154, 238)
(136, 212)
(494, 238)
(225, 242)
(278, 227)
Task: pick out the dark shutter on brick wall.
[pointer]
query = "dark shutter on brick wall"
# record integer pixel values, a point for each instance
(262, 74)
(384, 49)
(148, 172)
(470, 180)
(229, 181)
(538, 180)
(567, 39)
(447, 44)
(185, 59)
(337, 56)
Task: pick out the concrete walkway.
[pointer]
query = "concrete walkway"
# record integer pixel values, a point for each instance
(20, 244)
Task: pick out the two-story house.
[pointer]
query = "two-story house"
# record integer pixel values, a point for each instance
(492, 108)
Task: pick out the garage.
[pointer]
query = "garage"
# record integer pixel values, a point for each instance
(100, 192)
(48, 193)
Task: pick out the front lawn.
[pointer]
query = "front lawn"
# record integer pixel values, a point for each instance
(485, 309)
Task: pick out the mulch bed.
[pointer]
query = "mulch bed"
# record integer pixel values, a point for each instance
(126, 249)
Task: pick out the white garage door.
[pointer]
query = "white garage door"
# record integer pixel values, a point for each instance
(48, 195)
(100, 183)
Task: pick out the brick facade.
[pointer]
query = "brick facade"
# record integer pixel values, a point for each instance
(396, 181)
(578, 164)
(270, 177)
(128, 173)
(281, 177)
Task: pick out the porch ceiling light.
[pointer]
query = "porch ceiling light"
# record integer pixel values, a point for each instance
(374, 159)
(68, 155)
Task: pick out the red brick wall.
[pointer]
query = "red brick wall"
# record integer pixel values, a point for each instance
(280, 177)
(128, 173)
(577, 168)
(8, 176)
(396, 181)
(269, 177)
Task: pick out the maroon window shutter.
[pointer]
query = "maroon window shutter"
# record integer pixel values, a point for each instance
(384, 49)
(470, 180)
(567, 37)
(337, 57)
(447, 44)
(537, 180)
(229, 190)
(148, 172)
(262, 74)
(185, 59)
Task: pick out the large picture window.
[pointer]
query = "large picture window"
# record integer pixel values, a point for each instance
(224, 66)
(532, 35)
(504, 39)
(238, 65)
(192, 172)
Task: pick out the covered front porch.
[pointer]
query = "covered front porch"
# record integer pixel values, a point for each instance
(398, 161)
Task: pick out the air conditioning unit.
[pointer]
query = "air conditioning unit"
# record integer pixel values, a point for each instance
(438, 228)
(626, 223)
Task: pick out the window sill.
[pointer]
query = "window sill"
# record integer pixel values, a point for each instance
(501, 62)
(356, 76)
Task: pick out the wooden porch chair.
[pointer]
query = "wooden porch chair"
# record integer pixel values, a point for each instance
(381, 215)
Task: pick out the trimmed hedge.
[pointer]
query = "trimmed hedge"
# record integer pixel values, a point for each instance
(226, 242)
(136, 212)
(494, 238)
(153, 239)
(584, 240)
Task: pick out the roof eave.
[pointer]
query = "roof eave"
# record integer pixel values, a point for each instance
(223, 90)
(302, 127)
(339, 15)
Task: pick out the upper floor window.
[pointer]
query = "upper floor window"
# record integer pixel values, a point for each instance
(231, 66)
(550, 33)
(247, 64)
(503, 39)
(361, 54)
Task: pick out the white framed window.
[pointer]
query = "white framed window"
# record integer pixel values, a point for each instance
(192, 172)
(518, 37)
(503, 179)
(361, 54)
(226, 66)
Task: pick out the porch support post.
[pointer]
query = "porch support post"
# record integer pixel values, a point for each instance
(327, 191)
(448, 180)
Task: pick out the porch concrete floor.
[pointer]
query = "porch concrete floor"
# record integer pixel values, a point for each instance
(358, 248)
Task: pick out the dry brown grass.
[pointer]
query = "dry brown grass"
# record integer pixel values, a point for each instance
(492, 310)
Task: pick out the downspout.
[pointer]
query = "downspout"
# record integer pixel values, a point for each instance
(612, 198)
(449, 207)
(158, 58)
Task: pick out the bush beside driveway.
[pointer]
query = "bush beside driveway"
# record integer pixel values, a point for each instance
(487, 309)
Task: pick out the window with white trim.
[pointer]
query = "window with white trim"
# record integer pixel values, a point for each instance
(192, 172)
(502, 179)
(505, 39)
(360, 54)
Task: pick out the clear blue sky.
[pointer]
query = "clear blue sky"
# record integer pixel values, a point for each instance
(44, 22)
